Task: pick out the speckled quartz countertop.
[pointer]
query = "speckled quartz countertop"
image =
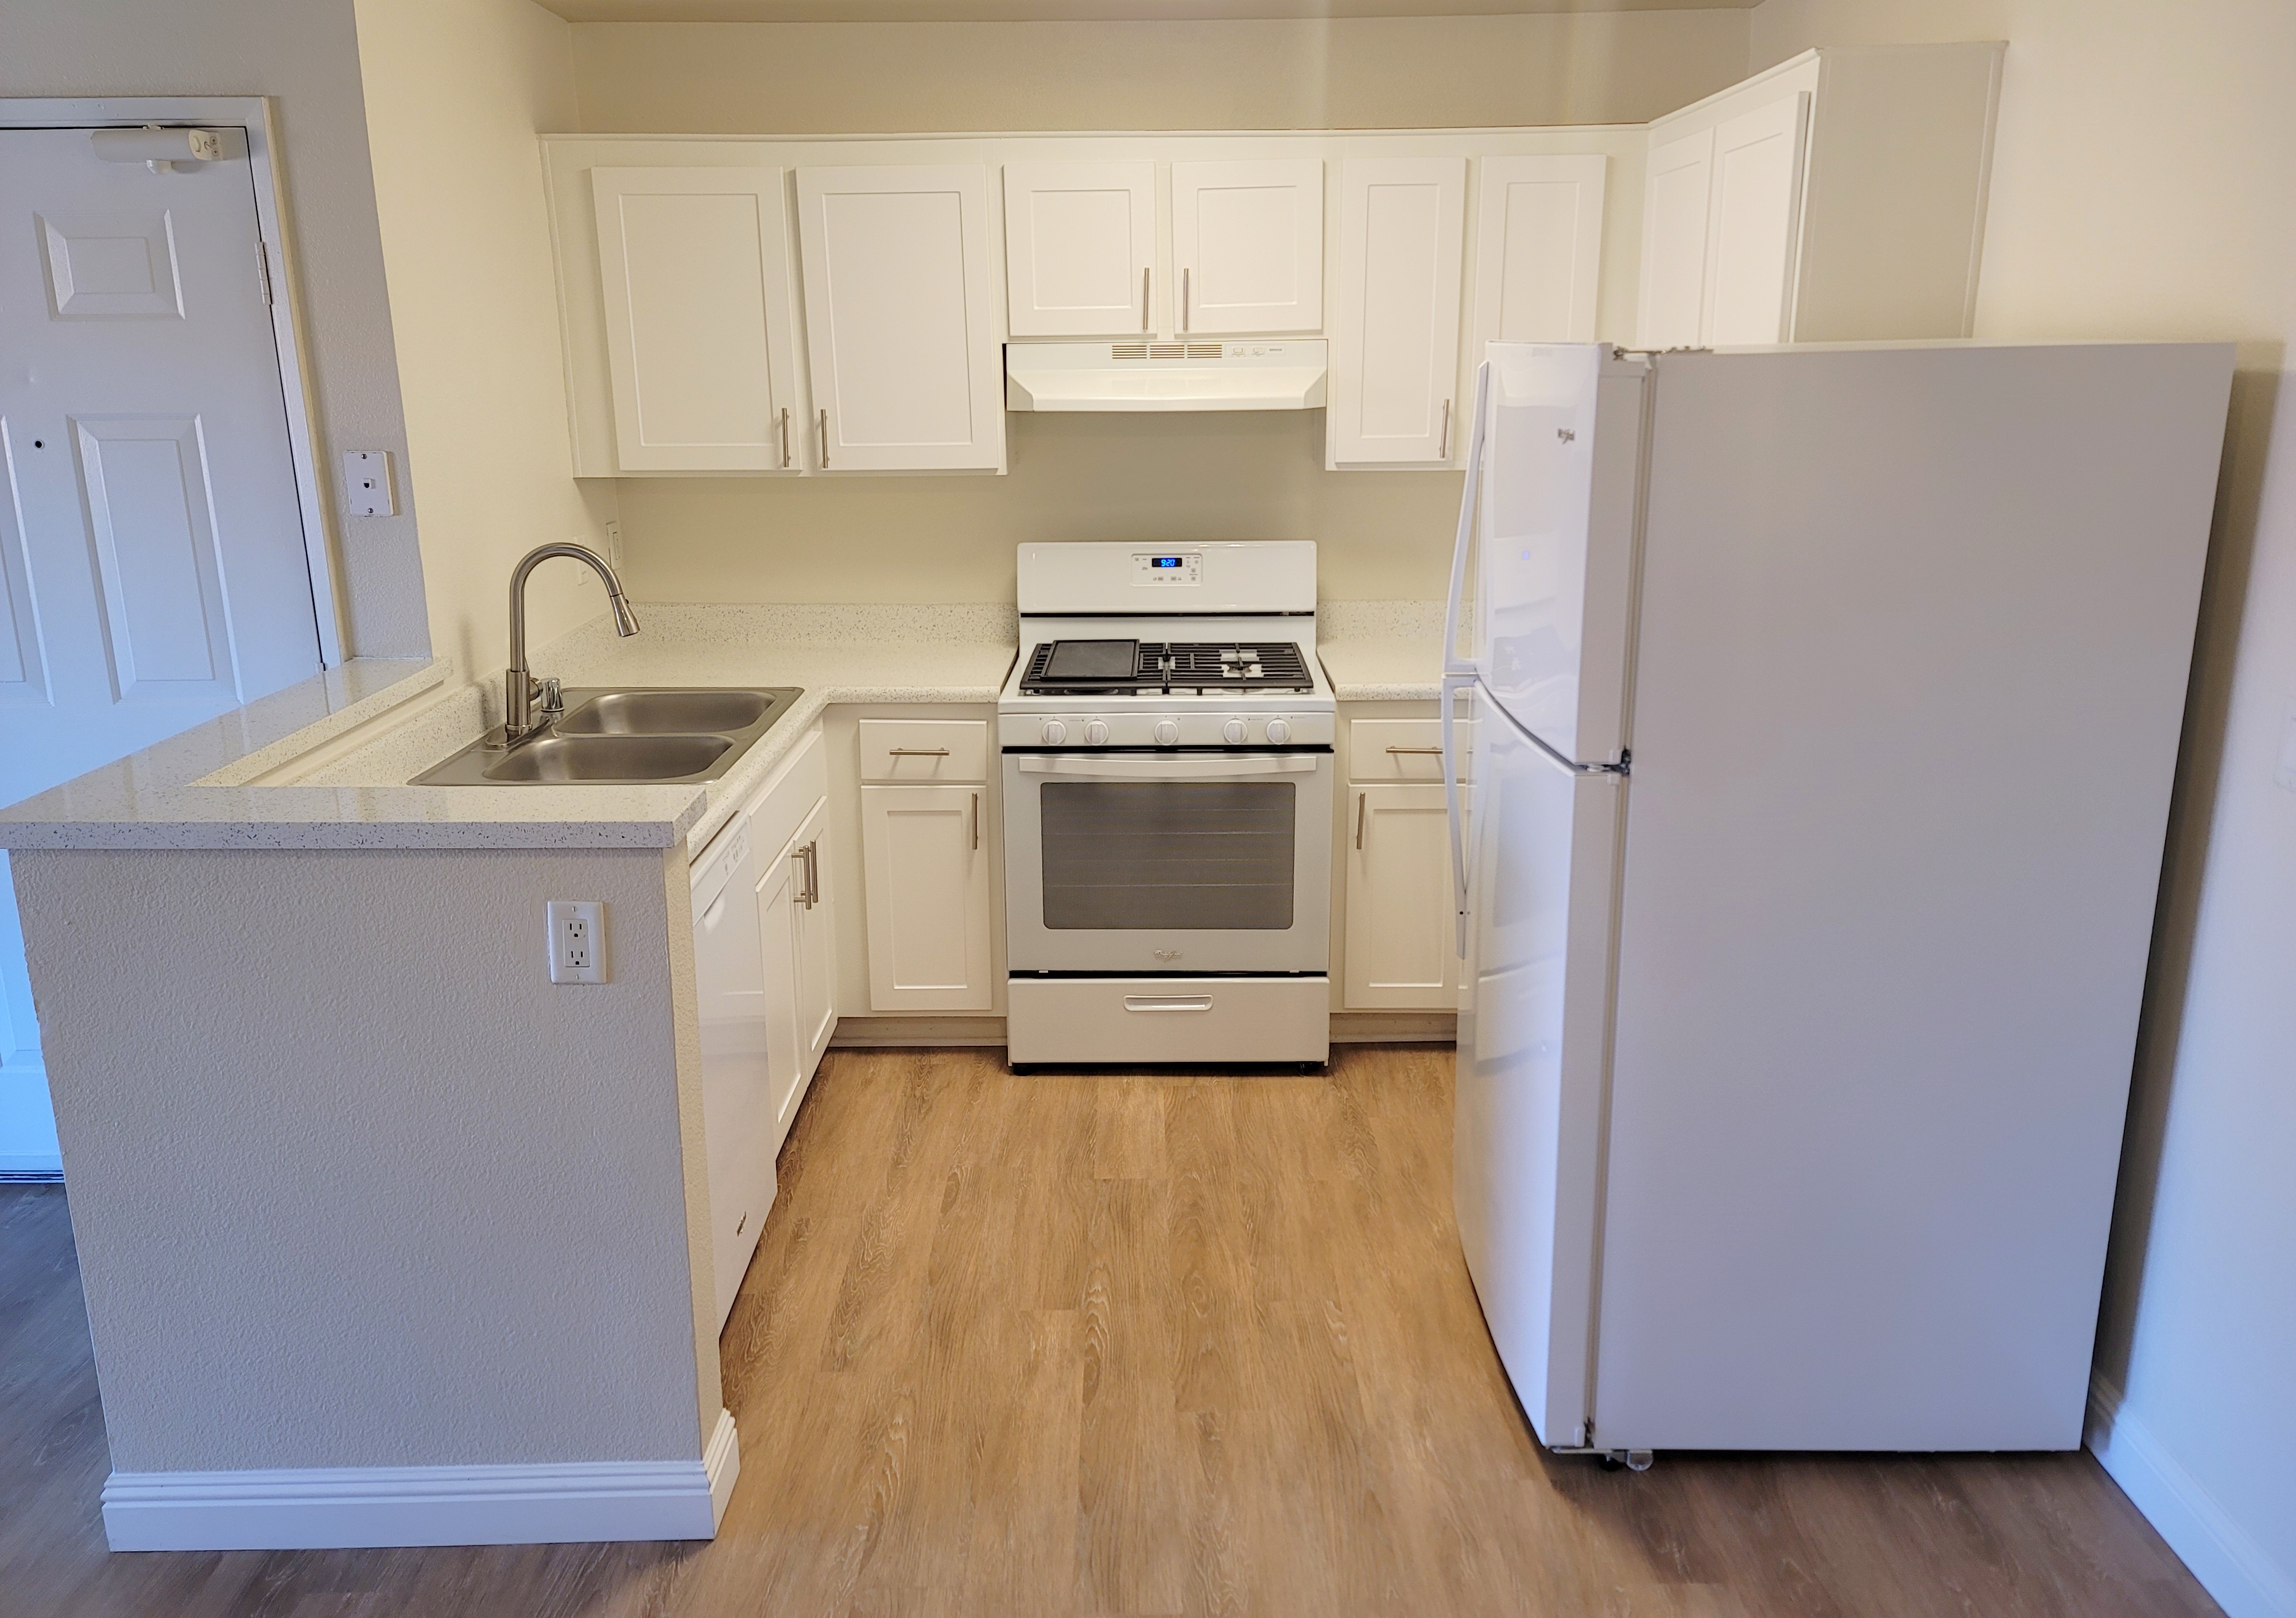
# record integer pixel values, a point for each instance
(323, 764)
(1381, 650)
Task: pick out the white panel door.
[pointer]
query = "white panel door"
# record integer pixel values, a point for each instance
(814, 960)
(1533, 1026)
(1401, 953)
(1080, 243)
(1756, 215)
(1395, 346)
(925, 862)
(1538, 250)
(900, 318)
(153, 569)
(1248, 244)
(1676, 190)
(694, 264)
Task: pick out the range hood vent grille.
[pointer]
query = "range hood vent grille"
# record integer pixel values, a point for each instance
(1280, 373)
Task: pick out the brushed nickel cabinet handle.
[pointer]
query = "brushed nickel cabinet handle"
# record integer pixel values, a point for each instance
(785, 458)
(1145, 271)
(917, 752)
(1425, 750)
(976, 820)
(1443, 450)
(804, 898)
(824, 440)
(1362, 800)
(1184, 300)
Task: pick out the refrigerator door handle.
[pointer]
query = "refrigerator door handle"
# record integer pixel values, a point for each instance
(1452, 683)
(1452, 663)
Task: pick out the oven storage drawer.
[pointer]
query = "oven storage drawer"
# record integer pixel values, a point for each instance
(1161, 1019)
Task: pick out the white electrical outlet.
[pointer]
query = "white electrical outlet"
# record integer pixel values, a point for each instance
(367, 484)
(578, 941)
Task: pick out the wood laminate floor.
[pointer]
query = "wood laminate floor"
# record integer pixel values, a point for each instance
(1114, 1345)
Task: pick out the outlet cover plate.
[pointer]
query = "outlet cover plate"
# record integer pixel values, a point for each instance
(578, 941)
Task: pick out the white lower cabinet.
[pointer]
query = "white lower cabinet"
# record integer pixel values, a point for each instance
(1401, 953)
(812, 953)
(925, 862)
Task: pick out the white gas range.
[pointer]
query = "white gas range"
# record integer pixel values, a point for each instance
(1168, 778)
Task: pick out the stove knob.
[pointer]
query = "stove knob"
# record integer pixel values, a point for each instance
(1279, 731)
(1235, 731)
(1168, 732)
(1095, 733)
(1055, 733)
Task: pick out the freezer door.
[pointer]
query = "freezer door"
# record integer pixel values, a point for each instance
(1560, 491)
(1534, 1037)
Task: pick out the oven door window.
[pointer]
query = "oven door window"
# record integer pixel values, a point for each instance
(1127, 856)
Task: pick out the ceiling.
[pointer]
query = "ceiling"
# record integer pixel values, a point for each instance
(1080, 10)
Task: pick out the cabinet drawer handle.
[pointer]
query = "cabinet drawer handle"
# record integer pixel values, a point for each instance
(1184, 300)
(1443, 450)
(917, 752)
(824, 440)
(1168, 1002)
(1362, 798)
(785, 437)
(976, 820)
(1415, 749)
(1144, 273)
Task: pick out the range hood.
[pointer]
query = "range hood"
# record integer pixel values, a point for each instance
(1261, 374)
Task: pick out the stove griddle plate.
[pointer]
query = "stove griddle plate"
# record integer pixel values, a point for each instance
(1092, 660)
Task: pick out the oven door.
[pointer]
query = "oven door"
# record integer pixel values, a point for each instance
(1189, 862)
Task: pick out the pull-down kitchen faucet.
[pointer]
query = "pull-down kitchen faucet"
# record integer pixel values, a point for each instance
(519, 686)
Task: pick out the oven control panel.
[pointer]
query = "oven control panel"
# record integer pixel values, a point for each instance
(1168, 567)
(1150, 725)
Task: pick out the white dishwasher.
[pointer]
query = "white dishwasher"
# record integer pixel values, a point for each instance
(737, 1109)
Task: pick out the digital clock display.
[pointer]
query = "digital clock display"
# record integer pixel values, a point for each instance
(1163, 562)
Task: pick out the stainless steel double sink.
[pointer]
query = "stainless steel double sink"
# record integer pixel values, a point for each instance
(646, 734)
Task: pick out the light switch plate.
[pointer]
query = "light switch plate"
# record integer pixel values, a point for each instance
(2287, 775)
(367, 491)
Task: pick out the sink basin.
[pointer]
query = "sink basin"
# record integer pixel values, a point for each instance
(640, 736)
(616, 758)
(655, 713)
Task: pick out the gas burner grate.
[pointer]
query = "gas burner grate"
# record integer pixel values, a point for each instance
(1202, 667)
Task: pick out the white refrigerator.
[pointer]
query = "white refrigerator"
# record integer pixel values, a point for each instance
(1821, 707)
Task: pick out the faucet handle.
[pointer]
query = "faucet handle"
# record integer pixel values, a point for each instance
(554, 697)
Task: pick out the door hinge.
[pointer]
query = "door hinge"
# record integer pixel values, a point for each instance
(263, 268)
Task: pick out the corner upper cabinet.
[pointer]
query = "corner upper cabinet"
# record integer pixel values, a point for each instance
(693, 267)
(1248, 246)
(1079, 248)
(1395, 339)
(906, 369)
(1839, 197)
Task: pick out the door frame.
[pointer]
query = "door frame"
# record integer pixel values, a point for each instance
(259, 116)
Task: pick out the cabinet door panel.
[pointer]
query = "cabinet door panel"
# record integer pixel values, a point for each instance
(694, 264)
(905, 368)
(1674, 242)
(1395, 351)
(1401, 952)
(1758, 165)
(817, 950)
(1079, 239)
(777, 925)
(1538, 250)
(925, 853)
(1248, 241)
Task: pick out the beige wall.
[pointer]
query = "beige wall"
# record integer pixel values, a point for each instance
(1332, 73)
(2144, 186)
(304, 53)
(1202, 477)
(362, 1068)
(455, 93)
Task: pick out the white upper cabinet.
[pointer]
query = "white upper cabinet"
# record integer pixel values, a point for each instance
(1248, 243)
(1079, 248)
(1676, 189)
(1538, 250)
(899, 319)
(1839, 197)
(694, 264)
(1756, 195)
(1395, 344)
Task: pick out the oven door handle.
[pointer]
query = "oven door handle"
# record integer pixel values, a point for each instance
(1174, 768)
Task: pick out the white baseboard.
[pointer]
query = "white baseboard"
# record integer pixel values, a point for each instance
(2231, 1566)
(341, 1507)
